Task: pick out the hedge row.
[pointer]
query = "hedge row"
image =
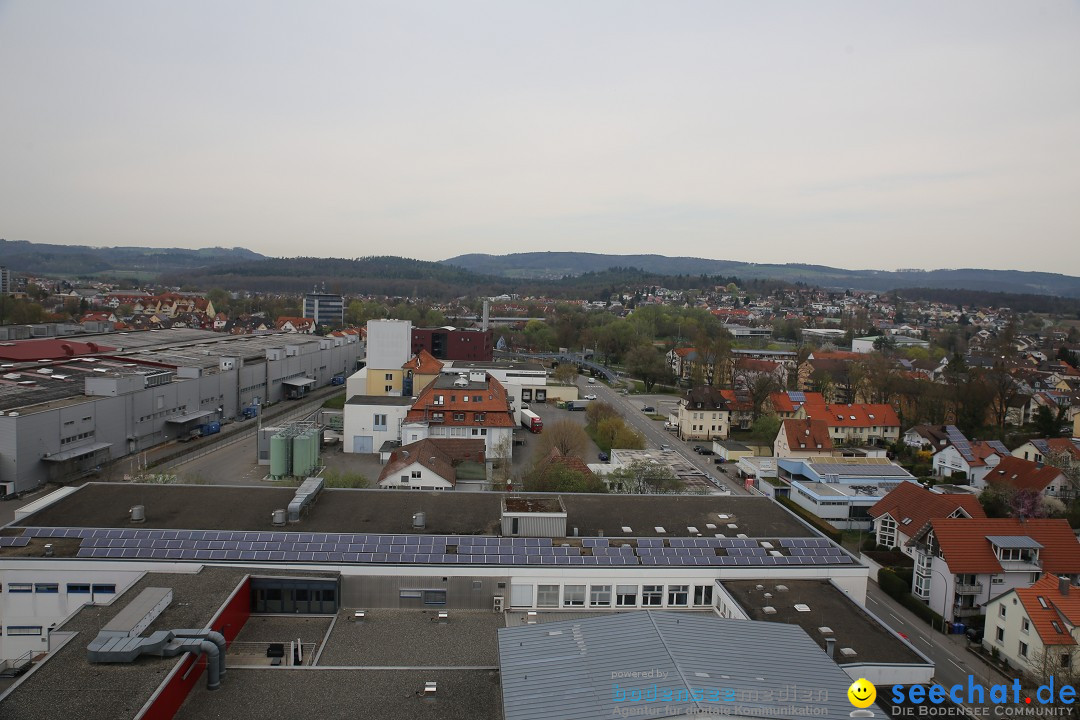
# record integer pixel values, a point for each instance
(900, 591)
(825, 528)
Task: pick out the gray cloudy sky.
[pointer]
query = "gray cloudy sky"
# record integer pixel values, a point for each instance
(857, 134)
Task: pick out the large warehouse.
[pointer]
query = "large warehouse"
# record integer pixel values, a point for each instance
(116, 394)
(413, 604)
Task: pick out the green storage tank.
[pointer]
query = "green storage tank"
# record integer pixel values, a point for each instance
(316, 447)
(280, 455)
(301, 459)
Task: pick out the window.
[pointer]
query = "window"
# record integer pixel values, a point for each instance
(434, 597)
(459, 417)
(626, 595)
(600, 596)
(1066, 659)
(1000, 635)
(677, 594)
(410, 594)
(46, 588)
(1025, 626)
(1001, 611)
(388, 388)
(652, 595)
(573, 595)
(547, 596)
(479, 417)
(389, 376)
(78, 589)
(1023, 649)
(703, 594)
(23, 630)
(380, 422)
(20, 588)
(104, 589)
(479, 431)
(477, 398)
(438, 400)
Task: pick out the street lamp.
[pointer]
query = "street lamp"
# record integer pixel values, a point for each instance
(945, 602)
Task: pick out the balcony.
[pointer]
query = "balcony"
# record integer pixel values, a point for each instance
(962, 612)
(969, 589)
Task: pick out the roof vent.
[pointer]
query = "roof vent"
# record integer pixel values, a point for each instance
(419, 520)
(825, 630)
(429, 692)
(278, 517)
(359, 616)
(137, 514)
(759, 587)
(769, 610)
(48, 550)
(848, 652)
(802, 608)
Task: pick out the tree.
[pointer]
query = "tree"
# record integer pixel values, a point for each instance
(646, 362)
(766, 428)
(566, 436)
(1047, 422)
(565, 374)
(597, 411)
(548, 475)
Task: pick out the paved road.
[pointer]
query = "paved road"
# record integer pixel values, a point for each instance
(630, 408)
(953, 662)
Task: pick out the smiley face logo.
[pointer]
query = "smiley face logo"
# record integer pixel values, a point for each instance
(862, 693)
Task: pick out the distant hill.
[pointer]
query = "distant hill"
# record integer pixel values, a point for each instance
(386, 275)
(550, 265)
(84, 261)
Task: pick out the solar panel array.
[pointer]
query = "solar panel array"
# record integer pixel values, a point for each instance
(959, 442)
(798, 397)
(228, 545)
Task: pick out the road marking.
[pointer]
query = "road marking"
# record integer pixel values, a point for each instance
(896, 618)
(926, 641)
(957, 665)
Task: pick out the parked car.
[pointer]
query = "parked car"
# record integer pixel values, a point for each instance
(591, 381)
(604, 457)
(590, 397)
(696, 448)
(704, 451)
(665, 448)
(648, 409)
(974, 634)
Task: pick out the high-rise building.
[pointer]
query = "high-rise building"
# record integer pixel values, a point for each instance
(5, 280)
(325, 308)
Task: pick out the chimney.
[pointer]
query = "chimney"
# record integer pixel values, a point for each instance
(830, 647)
(1063, 584)
(487, 307)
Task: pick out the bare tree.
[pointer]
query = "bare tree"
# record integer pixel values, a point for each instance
(566, 436)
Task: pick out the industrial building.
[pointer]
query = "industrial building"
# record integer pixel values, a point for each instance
(451, 343)
(67, 407)
(409, 603)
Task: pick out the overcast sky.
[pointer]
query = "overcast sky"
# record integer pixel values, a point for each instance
(855, 134)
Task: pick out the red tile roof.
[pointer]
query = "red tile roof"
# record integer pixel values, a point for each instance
(424, 363)
(808, 435)
(440, 455)
(1021, 474)
(966, 549)
(836, 355)
(493, 403)
(1061, 609)
(782, 402)
(913, 506)
(854, 415)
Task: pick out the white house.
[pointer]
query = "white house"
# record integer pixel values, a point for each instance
(971, 460)
(962, 564)
(1036, 629)
(434, 464)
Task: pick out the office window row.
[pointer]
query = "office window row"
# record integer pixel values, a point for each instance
(553, 596)
(54, 588)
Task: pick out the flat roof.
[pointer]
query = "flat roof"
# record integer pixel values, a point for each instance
(378, 694)
(208, 507)
(67, 685)
(414, 638)
(829, 607)
(379, 400)
(452, 365)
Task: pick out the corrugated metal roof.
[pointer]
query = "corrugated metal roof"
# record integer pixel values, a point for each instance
(584, 669)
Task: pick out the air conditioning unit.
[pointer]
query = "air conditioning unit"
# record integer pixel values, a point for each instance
(497, 605)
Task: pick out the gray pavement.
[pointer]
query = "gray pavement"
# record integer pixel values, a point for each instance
(653, 430)
(953, 662)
